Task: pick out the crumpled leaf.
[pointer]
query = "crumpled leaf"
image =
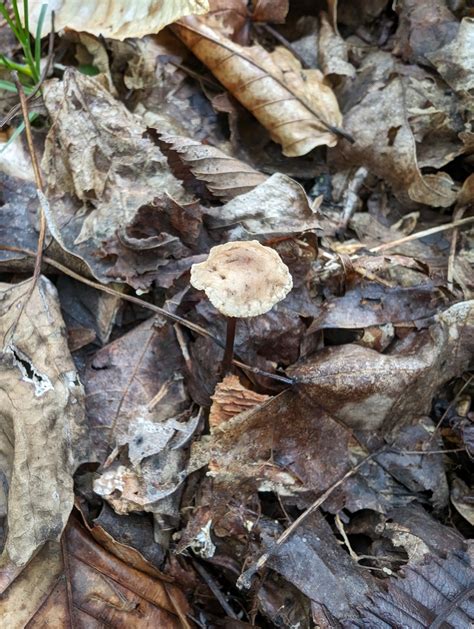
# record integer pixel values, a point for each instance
(44, 436)
(296, 107)
(385, 145)
(368, 390)
(279, 205)
(79, 583)
(455, 61)
(224, 176)
(117, 20)
(333, 55)
(100, 169)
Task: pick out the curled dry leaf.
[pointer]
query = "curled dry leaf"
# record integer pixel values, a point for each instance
(368, 390)
(385, 145)
(100, 170)
(332, 51)
(296, 107)
(44, 435)
(277, 206)
(231, 398)
(224, 176)
(82, 585)
(455, 61)
(117, 20)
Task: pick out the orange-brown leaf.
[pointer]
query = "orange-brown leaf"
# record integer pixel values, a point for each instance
(297, 108)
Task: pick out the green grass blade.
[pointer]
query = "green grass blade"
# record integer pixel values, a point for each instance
(7, 86)
(39, 30)
(25, 12)
(32, 116)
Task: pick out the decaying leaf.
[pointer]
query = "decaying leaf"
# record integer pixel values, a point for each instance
(80, 583)
(44, 435)
(275, 447)
(455, 61)
(423, 28)
(231, 398)
(129, 391)
(297, 108)
(432, 593)
(100, 169)
(118, 19)
(224, 176)
(277, 206)
(385, 145)
(368, 390)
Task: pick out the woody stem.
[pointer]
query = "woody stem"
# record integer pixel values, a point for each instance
(229, 345)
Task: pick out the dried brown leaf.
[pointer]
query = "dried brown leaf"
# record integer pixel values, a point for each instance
(273, 11)
(385, 145)
(44, 435)
(423, 28)
(82, 585)
(118, 19)
(368, 390)
(275, 447)
(455, 61)
(297, 108)
(277, 206)
(224, 176)
(124, 379)
(100, 168)
(333, 54)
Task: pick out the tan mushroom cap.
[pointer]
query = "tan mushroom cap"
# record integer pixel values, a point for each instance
(242, 278)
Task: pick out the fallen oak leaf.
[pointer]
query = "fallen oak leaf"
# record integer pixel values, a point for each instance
(297, 108)
(117, 20)
(385, 145)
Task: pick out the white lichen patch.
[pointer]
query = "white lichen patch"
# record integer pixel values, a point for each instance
(30, 374)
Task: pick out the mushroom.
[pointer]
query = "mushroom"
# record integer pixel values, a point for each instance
(241, 279)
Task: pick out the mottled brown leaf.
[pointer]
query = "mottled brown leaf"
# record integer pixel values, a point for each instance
(368, 390)
(44, 436)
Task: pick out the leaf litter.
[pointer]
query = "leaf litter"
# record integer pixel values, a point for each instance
(326, 479)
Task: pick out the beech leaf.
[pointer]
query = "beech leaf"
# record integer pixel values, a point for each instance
(296, 106)
(118, 20)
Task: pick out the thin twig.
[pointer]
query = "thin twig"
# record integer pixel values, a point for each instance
(452, 251)
(212, 585)
(37, 175)
(450, 405)
(422, 234)
(245, 579)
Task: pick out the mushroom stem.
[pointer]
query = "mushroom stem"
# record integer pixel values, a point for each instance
(229, 345)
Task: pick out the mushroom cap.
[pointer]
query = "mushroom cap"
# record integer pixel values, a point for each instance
(242, 278)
